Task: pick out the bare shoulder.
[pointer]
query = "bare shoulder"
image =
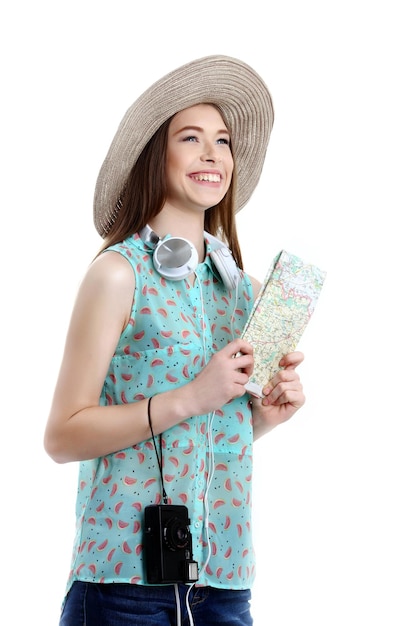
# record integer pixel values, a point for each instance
(110, 271)
(106, 291)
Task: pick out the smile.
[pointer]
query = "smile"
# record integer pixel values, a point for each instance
(210, 178)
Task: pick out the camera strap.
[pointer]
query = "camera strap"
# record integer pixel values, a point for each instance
(158, 457)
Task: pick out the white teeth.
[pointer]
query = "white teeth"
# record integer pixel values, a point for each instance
(211, 178)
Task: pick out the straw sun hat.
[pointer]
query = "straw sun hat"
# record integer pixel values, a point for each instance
(238, 91)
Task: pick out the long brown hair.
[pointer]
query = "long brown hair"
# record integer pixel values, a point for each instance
(145, 193)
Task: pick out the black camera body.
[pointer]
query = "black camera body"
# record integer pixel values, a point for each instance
(168, 545)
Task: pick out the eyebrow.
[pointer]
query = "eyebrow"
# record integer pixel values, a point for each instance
(222, 131)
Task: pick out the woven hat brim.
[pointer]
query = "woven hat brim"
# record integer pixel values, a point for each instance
(238, 91)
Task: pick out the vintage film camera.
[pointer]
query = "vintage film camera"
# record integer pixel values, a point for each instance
(168, 545)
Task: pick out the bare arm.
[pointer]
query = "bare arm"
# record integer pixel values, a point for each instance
(78, 427)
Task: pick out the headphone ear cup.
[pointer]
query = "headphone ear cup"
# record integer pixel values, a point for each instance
(226, 266)
(175, 258)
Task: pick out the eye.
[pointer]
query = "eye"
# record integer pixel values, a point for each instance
(190, 138)
(224, 140)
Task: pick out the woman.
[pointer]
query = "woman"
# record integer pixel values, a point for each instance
(151, 395)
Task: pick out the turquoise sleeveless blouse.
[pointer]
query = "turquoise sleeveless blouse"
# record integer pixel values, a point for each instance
(174, 328)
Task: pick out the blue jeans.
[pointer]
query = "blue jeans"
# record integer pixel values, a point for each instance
(115, 604)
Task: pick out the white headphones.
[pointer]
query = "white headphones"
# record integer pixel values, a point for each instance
(176, 258)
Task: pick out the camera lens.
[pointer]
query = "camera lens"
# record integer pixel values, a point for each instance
(176, 534)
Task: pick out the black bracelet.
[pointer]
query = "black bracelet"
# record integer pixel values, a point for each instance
(149, 417)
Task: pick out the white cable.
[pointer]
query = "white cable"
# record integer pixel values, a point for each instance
(187, 604)
(234, 311)
(210, 471)
(203, 319)
(210, 475)
(178, 604)
(206, 510)
(211, 466)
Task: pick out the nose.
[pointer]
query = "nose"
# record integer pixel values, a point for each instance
(210, 153)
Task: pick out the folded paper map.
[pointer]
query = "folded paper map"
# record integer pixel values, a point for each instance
(280, 314)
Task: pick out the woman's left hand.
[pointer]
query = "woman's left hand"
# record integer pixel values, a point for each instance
(283, 396)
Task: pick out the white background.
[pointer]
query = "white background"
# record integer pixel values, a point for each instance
(335, 488)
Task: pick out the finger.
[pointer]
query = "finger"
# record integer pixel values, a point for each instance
(239, 346)
(244, 363)
(285, 395)
(281, 383)
(292, 360)
(287, 375)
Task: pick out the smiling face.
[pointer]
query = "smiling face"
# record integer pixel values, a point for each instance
(199, 161)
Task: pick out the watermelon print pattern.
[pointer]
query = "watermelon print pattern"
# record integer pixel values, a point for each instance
(165, 344)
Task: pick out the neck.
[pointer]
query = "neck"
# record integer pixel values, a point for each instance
(181, 226)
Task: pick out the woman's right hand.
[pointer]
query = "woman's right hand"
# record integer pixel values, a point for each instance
(223, 378)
